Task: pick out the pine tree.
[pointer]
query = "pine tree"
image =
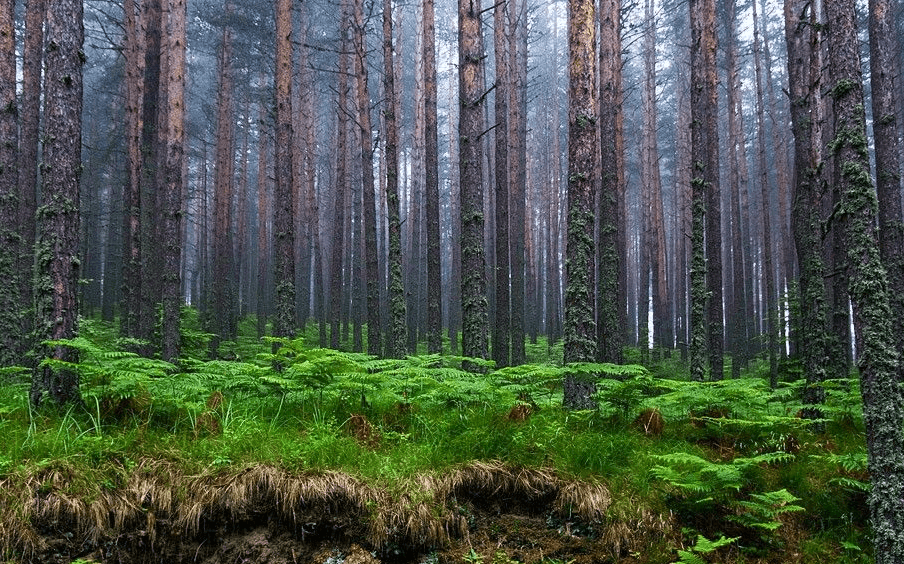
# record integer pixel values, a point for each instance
(57, 272)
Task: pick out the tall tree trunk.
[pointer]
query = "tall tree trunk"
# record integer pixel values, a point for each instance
(283, 202)
(173, 179)
(12, 340)
(883, 72)
(583, 171)
(152, 109)
(803, 42)
(263, 216)
(517, 30)
(431, 187)
(771, 316)
(374, 330)
(57, 274)
(222, 312)
(341, 187)
(29, 123)
(867, 287)
(502, 321)
(133, 51)
(737, 179)
(470, 130)
(397, 331)
(705, 189)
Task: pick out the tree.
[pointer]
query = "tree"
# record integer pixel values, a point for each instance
(153, 108)
(705, 233)
(173, 179)
(583, 167)
(374, 330)
(397, 331)
(29, 125)
(803, 39)
(501, 322)
(57, 269)
(431, 185)
(222, 316)
(11, 342)
(517, 125)
(470, 130)
(867, 286)
(341, 184)
(737, 180)
(771, 315)
(133, 53)
(883, 72)
(283, 201)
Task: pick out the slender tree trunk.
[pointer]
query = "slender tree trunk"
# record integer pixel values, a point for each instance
(56, 274)
(517, 30)
(30, 112)
(705, 201)
(470, 129)
(12, 340)
(431, 187)
(397, 331)
(771, 316)
(803, 41)
(133, 51)
(173, 179)
(152, 108)
(283, 202)
(883, 74)
(263, 217)
(341, 187)
(502, 321)
(583, 170)
(867, 287)
(223, 292)
(374, 330)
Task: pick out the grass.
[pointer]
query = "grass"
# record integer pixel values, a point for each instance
(397, 441)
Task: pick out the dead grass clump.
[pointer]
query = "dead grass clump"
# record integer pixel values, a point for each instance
(522, 410)
(494, 478)
(586, 500)
(363, 432)
(650, 422)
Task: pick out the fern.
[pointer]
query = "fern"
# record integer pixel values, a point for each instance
(702, 546)
(761, 511)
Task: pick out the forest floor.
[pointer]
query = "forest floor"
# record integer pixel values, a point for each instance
(315, 456)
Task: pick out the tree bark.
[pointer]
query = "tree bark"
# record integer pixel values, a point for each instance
(173, 180)
(12, 340)
(341, 186)
(502, 320)
(771, 314)
(133, 52)
(867, 286)
(222, 314)
(397, 331)
(883, 72)
(283, 201)
(470, 129)
(29, 123)
(57, 271)
(517, 124)
(583, 171)
(704, 200)
(803, 42)
(431, 187)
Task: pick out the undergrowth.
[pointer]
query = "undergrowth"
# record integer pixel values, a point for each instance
(730, 460)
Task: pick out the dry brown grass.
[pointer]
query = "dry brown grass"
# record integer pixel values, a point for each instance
(158, 499)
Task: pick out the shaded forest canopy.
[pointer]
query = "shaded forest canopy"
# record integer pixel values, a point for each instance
(711, 186)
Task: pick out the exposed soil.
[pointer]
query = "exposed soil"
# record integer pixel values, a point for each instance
(526, 537)
(267, 516)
